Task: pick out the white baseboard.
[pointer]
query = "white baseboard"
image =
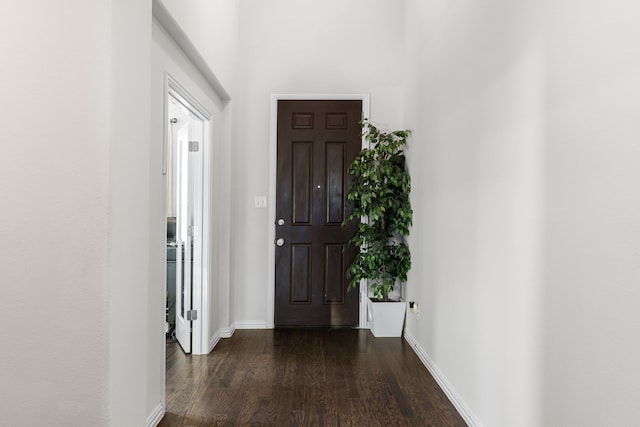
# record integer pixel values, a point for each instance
(454, 397)
(154, 418)
(214, 340)
(252, 324)
(222, 333)
(228, 332)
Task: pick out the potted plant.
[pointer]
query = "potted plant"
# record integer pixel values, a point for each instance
(380, 194)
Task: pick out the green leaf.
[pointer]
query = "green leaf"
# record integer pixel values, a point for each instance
(380, 190)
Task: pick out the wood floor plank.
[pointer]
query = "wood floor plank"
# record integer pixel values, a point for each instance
(304, 377)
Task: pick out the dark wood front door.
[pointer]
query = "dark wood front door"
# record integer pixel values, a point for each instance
(317, 140)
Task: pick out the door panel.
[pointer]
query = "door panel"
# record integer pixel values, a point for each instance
(336, 165)
(317, 140)
(300, 274)
(302, 155)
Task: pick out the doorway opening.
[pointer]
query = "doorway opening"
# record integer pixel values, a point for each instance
(187, 211)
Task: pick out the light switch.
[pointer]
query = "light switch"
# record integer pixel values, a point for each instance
(261, 201)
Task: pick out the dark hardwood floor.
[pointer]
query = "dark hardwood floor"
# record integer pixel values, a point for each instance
(304, 377)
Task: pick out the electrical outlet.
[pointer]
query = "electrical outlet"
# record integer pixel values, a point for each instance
(413, 307)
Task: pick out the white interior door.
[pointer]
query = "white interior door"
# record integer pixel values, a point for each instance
(183, 240)
(187, 135)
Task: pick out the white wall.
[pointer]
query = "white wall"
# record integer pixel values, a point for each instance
(129, 193)
(299, 46)
(475, 105)
(592, 215)
(525, 166)
(167, 57)
(202, 49)
(54, 171)
(75, 135)
(80, 182)
(212, 27)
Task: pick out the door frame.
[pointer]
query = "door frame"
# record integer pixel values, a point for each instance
(273, 157)
(200, 295)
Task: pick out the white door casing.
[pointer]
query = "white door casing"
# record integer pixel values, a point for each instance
(195, 230)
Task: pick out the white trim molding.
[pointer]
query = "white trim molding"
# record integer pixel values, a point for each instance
(253, 324)
(443, 382)
(228, 332)
(156, 416)
(215, 339)
(273, 153)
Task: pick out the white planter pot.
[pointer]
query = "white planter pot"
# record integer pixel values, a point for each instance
(387, 318)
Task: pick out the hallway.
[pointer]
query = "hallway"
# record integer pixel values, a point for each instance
(525, 165)
(319, 377)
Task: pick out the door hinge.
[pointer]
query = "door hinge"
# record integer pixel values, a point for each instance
(194, 146)
(192, 315)
(192, 230)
